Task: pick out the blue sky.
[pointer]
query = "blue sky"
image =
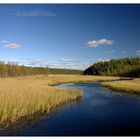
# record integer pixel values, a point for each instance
(68, 36)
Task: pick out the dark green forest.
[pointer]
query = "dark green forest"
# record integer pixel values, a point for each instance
(127, 67)
(13, 69)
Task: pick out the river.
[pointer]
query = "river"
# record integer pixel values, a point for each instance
(98, 113)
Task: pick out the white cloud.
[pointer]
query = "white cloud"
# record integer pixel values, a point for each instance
(97, 43)
(112, 51)
(138, 51)
(66, 60)
(35, 13)
(26, 13)
(53, 64)
(41, 63)
(84, 66)
(4, 41)
(13, 45)
(33, 62)
(99, 60)
(66, 63)
(8, 44)
(102, 60)
(22, 58)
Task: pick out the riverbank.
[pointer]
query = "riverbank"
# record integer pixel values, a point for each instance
(60, 79)
(125, 86)
(22, 97)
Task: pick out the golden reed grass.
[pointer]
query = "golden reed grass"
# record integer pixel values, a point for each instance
(24, 96)
(127, 86)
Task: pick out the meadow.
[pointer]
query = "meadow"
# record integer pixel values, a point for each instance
(22, 97)
(125, 86)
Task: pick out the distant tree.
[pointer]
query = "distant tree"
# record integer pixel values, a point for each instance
(121, 67)
(13, 69)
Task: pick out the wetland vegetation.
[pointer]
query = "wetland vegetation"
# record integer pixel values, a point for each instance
(126, 86)
(24, 96)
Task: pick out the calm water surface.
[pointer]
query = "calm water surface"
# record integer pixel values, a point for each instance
(99, 113)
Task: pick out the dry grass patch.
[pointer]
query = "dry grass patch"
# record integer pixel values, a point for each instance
(24, 96)
(58, 79)
(128, 86)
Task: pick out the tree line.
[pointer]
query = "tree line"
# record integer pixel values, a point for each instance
(13, 69)
(127, 67)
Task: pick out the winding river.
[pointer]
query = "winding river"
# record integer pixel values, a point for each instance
(98, 113)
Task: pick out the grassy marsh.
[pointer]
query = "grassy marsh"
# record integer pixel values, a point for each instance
(126, 86)
(58, 79)
(25, 96)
